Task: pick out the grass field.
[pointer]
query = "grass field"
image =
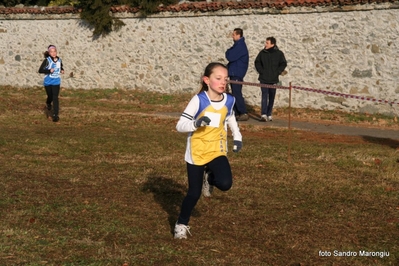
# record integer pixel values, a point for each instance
(104, 187)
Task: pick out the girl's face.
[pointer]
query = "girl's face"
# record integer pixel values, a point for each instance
(217, 81)
(52, 52)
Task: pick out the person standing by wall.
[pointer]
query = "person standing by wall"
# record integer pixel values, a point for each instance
(270, 63)
(205, 119)
(238, 58)
(52, 68)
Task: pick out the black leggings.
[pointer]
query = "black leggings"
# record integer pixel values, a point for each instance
(221, 178)
(52, 92)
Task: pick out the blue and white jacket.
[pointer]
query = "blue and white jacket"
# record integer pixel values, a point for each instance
(51, 78)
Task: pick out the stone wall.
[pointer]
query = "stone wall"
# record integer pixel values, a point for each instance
(354, 52)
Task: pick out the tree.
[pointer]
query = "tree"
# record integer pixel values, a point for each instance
(97, 12)
(63, 3)
(11, 3)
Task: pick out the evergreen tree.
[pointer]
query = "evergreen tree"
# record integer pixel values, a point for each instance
(97, 12)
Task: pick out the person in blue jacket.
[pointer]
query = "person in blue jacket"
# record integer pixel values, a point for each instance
(238, 58)
(52, 68)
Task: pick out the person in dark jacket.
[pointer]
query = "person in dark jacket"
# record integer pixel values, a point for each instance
(238, 58)
(269, 63)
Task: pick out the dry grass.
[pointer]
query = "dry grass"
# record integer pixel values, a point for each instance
(104, 187)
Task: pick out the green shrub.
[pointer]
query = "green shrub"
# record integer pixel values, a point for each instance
(97, 12)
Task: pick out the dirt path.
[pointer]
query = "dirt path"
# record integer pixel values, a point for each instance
(322, 127)
(330, 128)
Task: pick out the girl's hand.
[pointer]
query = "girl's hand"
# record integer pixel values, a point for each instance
(237, 146)
(203, 121)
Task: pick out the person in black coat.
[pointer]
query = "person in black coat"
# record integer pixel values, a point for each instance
(270, 63)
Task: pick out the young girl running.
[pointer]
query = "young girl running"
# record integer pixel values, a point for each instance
(205, 119)
(52, 68)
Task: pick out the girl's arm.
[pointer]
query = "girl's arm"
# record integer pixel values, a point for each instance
(187, 120)
(232, 123)
(43, 68)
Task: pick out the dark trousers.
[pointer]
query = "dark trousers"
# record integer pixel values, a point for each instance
(236, 90)
(221, 178)
(268, 96)
(52, 92)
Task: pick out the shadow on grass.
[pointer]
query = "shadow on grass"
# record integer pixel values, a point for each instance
(254, 116)
(394, 144)
(168, 194)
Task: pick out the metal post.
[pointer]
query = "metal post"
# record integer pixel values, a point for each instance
(289, 125)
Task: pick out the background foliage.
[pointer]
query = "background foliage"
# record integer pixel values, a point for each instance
(97, 12)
